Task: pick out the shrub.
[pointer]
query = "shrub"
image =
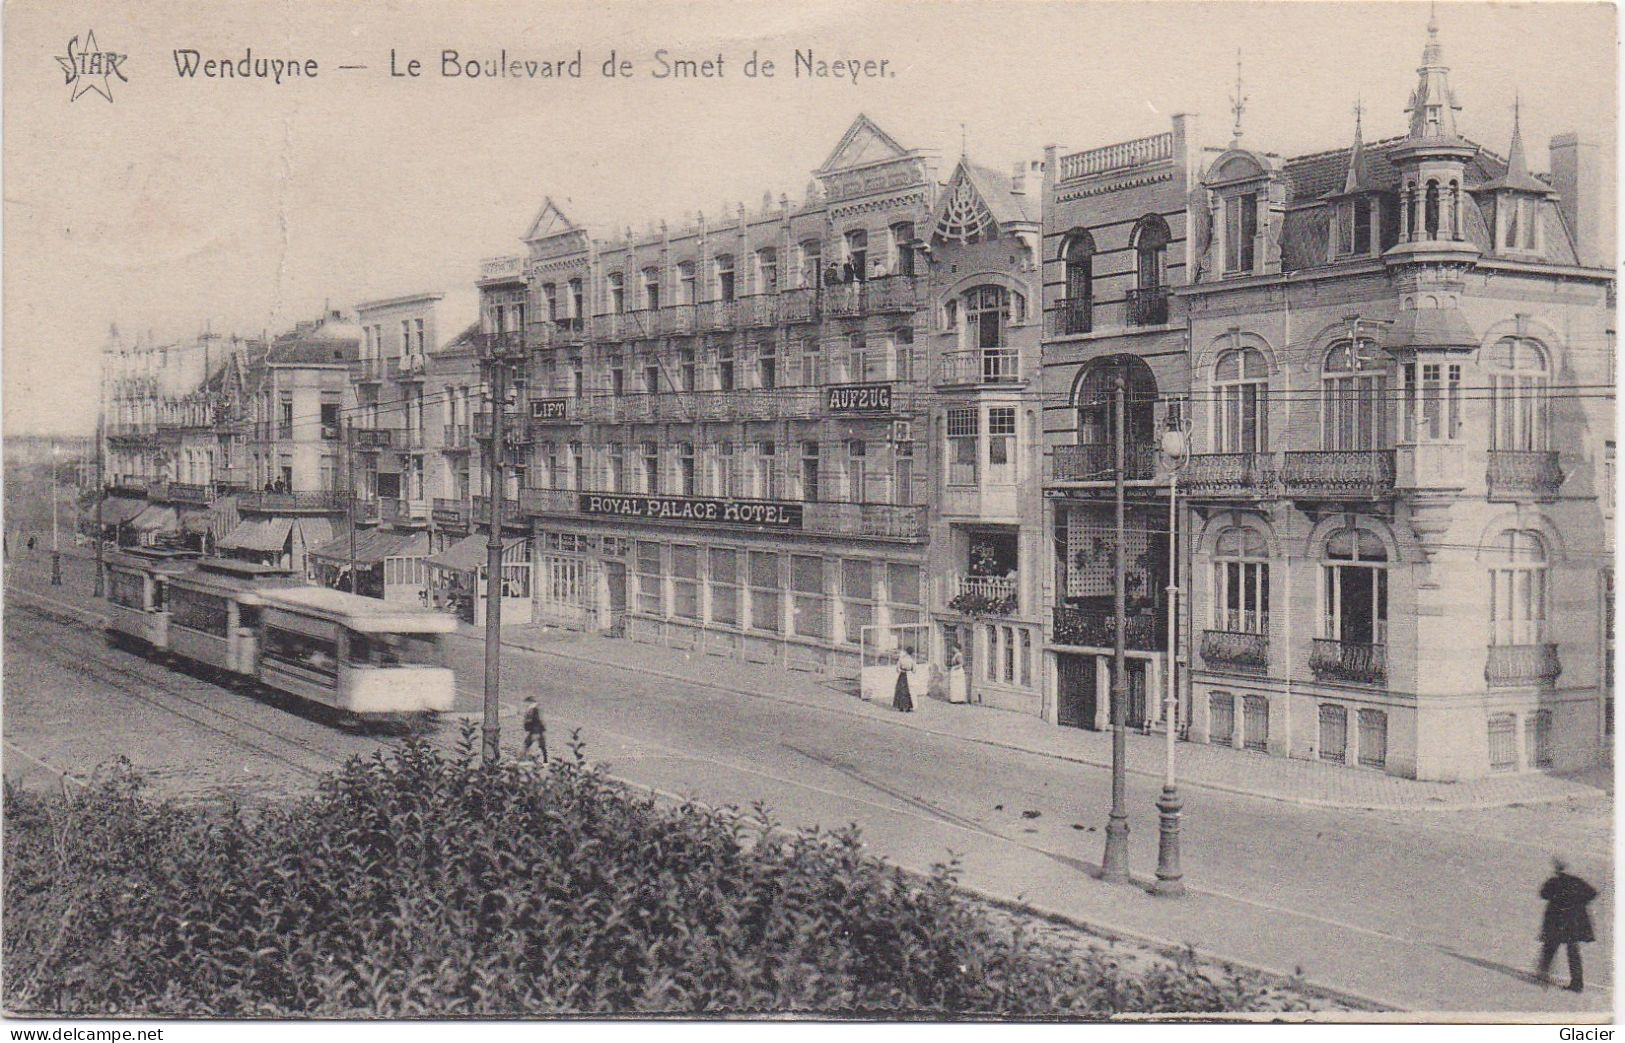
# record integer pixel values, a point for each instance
(424, 883)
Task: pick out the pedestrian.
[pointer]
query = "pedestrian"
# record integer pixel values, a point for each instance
(1566, 922)
(31, 544)
(902, 700)
(535, 727)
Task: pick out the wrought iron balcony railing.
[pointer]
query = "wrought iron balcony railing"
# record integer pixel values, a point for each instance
(1524, 475)
(800, 305)
(506, 344)
(718, 315)
(679, 318)
(1234, 648)
(1533, 664)
(1352, 474)
(1098, 463)
(761, 309)
(1148, 307)
(1097, 628)
(1348, 661)
(1241, 476)
(983, 366)
(273, 502)
(1070, 317)
(891, 293)
(181, 492)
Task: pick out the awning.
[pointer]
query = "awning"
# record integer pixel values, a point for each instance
(117, 510)
(156, 518)
(198, 523)
(316, 531)
(252, 534)
(470, 553)
(373, 547)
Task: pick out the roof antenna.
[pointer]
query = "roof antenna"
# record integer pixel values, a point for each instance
(1238, 103)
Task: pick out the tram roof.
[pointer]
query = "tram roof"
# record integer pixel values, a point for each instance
(151, 559)
(369, 615)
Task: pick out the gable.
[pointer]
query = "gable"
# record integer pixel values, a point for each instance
(549, 221)
(863, 144)
(963, 215)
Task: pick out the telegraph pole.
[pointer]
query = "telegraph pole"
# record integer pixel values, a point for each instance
(101, 494)
(56, 551)
(1114, 867)
(349, 478)
(493, 562)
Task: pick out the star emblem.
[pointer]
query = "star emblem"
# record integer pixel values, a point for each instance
(87, 68)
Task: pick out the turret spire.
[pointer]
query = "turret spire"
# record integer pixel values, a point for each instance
(1355, 180)
(1238, 103)
(1433, 105)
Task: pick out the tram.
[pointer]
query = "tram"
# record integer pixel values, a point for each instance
(214, 612)
(138, 581)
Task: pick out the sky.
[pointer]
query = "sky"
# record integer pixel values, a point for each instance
(247, 205)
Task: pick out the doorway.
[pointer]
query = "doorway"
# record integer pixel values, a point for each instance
(615, 577)
(1075, 699)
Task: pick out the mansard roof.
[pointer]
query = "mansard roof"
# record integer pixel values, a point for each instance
(1311, 178)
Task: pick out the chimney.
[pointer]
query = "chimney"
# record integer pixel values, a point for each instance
(1018, 179)
(1586, 197)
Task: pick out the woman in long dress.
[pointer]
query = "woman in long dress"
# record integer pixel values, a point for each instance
(902, 700)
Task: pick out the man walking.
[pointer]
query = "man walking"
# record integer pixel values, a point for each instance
(535, 728)
(1566, 922)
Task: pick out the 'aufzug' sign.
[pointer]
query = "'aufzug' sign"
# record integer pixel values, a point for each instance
(859, 398)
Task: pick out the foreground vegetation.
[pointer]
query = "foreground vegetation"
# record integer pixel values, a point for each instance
(425, 884)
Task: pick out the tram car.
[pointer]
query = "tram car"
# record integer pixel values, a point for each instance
(214, 612)
(138, 581)
(355, 654)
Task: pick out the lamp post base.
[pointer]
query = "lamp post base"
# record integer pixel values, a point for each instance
(56, 569)
(1170, 877)
(1114, 867)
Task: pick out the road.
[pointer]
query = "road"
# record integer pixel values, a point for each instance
(1432, 911)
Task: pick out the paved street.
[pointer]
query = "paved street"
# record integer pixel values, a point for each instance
(1427, 911)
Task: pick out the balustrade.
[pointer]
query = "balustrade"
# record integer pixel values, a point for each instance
(1534, 664)
(274, 502)
(1348, 661)
(1524, 475)
(1148, 307)
(1097, 628)
(1233, 648)
(1249, 476)
(984, 595)
(983, 366)
(1124, 154)
(1070, 317)
(1352, 474)
(1098, 463)
(799, 305)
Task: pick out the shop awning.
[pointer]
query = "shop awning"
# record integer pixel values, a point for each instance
(316, 531)
(156, 518)
(198, 523)
(117, 510)
(470, 553)
(259, 535)
(373, 547)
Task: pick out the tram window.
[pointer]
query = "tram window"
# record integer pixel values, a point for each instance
(393, 650)
(312, 653)
(157, 596)
(248, 616)
(198, 611)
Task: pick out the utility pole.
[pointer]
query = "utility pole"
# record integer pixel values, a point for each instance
(1114, 867)
(100, 588)
(349, 479)
(493, 563)
(56, 551)
(1170, 877)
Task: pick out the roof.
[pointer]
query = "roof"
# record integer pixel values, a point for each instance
(469, 553)
(269, 534)
(370, 615)
(1312, 177)
(155, 518)
(151, 559)
(1007, 206)
(313, 351)
(373, 546)
(210, 578)
(116, 510)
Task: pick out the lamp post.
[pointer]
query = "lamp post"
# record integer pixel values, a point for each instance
(1170, 877)
(1114, 866)
(56, 551)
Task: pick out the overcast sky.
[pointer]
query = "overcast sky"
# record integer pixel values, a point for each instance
(247, 205)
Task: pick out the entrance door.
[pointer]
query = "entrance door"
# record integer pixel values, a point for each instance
(1075, 704)
(1136, 693)
(615, 575)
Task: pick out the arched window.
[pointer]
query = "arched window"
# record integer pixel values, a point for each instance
(1077, 309)
(1241, 582)
(857, 254)
(810, 253)
(1241, 386)
(1354, 407)
(1518, 589)
(1096, 405)
(1148, 301)
(1431, 210)
(617, 293)
(1520, 379)
(1354, 589)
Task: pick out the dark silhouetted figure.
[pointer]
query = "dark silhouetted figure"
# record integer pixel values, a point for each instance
(902, 697)
(1566, 922)
(535, 728)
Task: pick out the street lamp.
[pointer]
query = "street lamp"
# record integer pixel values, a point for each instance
(1170, 877)
(1114, 866)
(56, 550)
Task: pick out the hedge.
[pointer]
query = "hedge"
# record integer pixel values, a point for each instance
(422, 883)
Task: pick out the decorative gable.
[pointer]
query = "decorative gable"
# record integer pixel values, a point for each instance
(963, 215)
(550, 221)
(863, 144)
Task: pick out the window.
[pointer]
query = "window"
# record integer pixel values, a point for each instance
(811, 256)
(766, 274)
(767, 483)
(1517, 598)
(651, 377)
(1151, 237)
(651, 288)
(1001, 445)
(1221, 708)
(1430, 210)
(903, 342)
(722, 478)
(685, 469)
(725, 366)
(724, 582)
(1354, 408)
(857, 597)
(964, 431)
(1355, 226)
(578, 307)
(330, 421)
(807, 581)
(812, 363)
(1334, 733)
(617, 293)
(766, 604)
(857, 252)
(1241, 582)
(686, 369)
(417, 331)
(617, 468)
(126, 589)
(987, 316)
(315, 654)
(1520, 385)
(685, 585)
(1432, 404)
(550, 299)
(856, 355)
(617, 376)
(1255, 720)
(1240, 228)
(578, 383)
(1241, 386)
(1355, 588)
(904, 594)
(767, 365)
(687, 289)
(651, 596)
(1537, 738)
(196, 610)
(1373, 738)
(903, 463)
(1503, 742)
(809, 471)
(901, 244)
(578, 470)
(723, 269)
(651, 468)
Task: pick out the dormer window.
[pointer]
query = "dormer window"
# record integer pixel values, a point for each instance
(1240, 228)
(1356, 225)
(1518, 225)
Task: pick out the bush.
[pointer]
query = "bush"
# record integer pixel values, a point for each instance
(427, 884)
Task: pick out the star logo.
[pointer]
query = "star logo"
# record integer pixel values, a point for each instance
(87, 68)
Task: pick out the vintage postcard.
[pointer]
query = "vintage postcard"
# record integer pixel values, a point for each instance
(899, 510)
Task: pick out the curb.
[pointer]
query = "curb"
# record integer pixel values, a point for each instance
(1314, 802)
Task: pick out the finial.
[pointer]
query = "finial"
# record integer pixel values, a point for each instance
(1433, 18)
(963, 149)
(1517, 103)
(1359, 110)
(1238, 102)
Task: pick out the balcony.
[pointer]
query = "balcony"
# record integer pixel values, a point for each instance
(1097, 628)
(1352, 474)
(394, 511)
(368, 511)
(1068, 318)
(1510, 665)
(718, 315)
(759, 310)
(1335, 660)
(456, 436)
(984, 595)
(411, 438)
(369, 370)
(1098, 463)
(891, 293)
(889, 521)
(1523, 475)
(451, 513)
(368, 439)
(1230, 476)
(505, 344)
(842, 300)
(127, 487)
(481, 506)
(1229, 648)
(799, 305)
(983, 366)
(513, 426)
(286, 502)
(679, 318)
(1148, 307)
(182, 492)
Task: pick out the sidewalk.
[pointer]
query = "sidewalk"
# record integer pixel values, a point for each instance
(1308, 783)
